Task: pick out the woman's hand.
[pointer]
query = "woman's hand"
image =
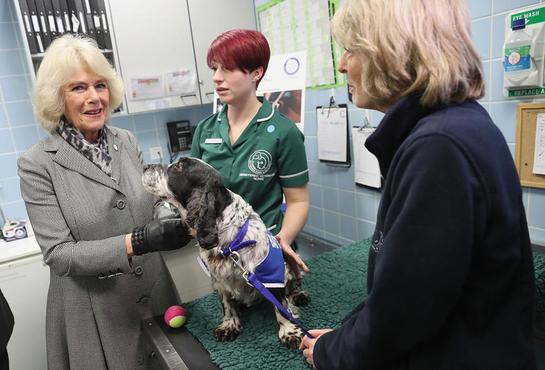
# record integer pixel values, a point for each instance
(292, 258)
(307, 344)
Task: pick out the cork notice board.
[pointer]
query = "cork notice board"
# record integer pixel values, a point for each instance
(525, 145)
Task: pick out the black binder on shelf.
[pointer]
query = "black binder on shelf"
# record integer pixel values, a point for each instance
(75, 24)
(35, 20)
(104, 24)
(80, 12)
(27, 24)
(51, 22)
(57, 15)
(96, 23)
(65, 13)
(89, 20)
(42, 16)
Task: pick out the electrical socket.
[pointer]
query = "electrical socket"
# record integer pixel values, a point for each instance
(156, 152)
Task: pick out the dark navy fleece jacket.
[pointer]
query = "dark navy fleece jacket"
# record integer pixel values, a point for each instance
(450, 275)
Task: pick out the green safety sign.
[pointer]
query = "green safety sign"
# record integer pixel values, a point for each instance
(532, 16)
(527, 92)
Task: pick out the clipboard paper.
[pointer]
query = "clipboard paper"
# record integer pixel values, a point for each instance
(332, 126)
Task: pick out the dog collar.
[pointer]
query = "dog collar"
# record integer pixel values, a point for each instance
(238, 242)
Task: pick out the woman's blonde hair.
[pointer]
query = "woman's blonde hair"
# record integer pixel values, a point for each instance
(65, 57)
(411, 46)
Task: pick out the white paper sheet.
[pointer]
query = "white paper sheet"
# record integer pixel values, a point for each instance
(539, 147)
(181, 82)
(294, 25)
(332, 134)
(146, 87)
(284, 85)
(366, 167)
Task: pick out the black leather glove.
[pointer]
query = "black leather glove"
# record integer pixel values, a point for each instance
(162, 209)
(160, 235)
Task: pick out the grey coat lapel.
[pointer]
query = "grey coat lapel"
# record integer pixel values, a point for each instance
(69, 157)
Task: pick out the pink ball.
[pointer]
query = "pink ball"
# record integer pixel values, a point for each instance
(175, 316)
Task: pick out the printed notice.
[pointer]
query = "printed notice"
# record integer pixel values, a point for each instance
(148, 87)
(539, 151)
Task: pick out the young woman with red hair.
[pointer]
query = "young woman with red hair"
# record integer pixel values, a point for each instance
(259, 152)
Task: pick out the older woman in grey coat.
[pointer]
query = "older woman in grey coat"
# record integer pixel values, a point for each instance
(83, 192)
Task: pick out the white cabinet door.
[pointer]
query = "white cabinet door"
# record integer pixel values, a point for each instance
(210, 18)
(153, 38)
(25, 283)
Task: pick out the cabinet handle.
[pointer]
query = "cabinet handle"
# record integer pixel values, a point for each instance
(208, 94)
(186, 96)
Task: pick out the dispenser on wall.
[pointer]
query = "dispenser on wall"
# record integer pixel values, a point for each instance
(523, 52)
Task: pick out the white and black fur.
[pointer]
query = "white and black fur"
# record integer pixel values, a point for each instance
(215, 215)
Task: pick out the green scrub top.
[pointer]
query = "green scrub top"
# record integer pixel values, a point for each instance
(268, 155)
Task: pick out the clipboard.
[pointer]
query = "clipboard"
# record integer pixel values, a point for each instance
(366, 166)
(333, 139)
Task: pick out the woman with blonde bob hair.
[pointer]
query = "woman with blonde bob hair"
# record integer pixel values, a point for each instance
(83, 192)
(66, 56)
(450, 280)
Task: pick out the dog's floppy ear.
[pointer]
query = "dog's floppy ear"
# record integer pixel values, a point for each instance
(203, 209)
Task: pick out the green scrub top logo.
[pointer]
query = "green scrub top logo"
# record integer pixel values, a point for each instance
(260, 162)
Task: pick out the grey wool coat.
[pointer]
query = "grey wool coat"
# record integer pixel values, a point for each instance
(97, 295)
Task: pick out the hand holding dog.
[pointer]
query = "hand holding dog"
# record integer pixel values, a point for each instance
(158, 235)
(292, 258)
(307, 344)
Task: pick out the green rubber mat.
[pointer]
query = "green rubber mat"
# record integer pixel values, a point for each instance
(336, 285)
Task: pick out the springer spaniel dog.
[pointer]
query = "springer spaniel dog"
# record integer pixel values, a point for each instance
(215, 216)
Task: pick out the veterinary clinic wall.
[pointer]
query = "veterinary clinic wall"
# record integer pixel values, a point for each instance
(340, 211)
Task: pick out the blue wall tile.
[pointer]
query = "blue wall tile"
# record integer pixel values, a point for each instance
(125, 122)
(315, 193)
(504, 116)
(144, 122)
(316, 218)
(3, 118)
(347, 203)
(327, 175)
(508, 5)
(6, 143)
(9, 190)
(7, 36)
(331, 222)
(11, 63)
(311, 148)
(5, 15)
(349, 228)
(536, 207)
(330, 200)
(366, 206)
(20, 113)
(14, 88)
(24, 137)
(15, 210)
(8, 164)
(498, 35)
(481, 36)
(479, 8)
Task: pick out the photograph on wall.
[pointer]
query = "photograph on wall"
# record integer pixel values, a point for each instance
(287, 102)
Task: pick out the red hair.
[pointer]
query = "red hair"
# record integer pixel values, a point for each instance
(245, 50)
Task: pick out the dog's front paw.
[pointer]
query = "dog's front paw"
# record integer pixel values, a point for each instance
(226, 332)
(300, 297)
(291, 338)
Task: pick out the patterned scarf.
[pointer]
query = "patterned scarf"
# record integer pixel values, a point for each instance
(96, 152)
